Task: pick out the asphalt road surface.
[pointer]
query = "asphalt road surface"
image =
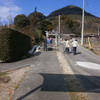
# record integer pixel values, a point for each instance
(86, 66)
(45, 80)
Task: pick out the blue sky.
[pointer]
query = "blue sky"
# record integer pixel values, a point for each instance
(14, 7)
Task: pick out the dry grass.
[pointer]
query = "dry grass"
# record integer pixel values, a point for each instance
(11, 80)
(95, 47)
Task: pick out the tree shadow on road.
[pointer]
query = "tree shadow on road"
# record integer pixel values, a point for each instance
(67, 83)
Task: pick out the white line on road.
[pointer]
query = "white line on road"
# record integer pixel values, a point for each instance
(88, 65)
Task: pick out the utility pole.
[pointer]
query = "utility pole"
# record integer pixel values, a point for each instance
(59, 26)
(82, 32)
(59, 31)
(98, 30)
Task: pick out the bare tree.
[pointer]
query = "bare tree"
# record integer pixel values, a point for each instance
(0, 21)
(10, 20)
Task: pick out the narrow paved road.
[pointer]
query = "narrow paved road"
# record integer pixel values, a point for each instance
(45, 80)
(86, 67)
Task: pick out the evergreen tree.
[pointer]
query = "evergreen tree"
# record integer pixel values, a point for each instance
(20, 21)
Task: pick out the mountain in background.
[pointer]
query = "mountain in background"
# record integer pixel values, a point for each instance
(74, 12)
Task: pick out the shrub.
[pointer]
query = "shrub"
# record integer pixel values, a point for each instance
(38, 36)
(13, 44)
(20, 21)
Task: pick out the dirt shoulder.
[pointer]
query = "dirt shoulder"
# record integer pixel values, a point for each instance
(95, 47)
(11, 80)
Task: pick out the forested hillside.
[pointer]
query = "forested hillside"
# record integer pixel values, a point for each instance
(75, 14)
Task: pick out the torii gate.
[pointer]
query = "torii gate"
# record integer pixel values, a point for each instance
(55, 33)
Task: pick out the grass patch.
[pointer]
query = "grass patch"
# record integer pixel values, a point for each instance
(4, 78)
(16, 87)
(90, 49)
(93, 51)
(3, 73)
(87, 47)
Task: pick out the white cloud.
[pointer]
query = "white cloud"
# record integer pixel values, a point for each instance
(8, 7)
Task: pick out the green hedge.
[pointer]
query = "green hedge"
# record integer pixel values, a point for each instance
(13, 44)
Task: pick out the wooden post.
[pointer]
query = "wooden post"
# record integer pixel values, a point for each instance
(10, 94)
(89, 42)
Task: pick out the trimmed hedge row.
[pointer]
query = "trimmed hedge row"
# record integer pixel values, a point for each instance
(13, 44)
